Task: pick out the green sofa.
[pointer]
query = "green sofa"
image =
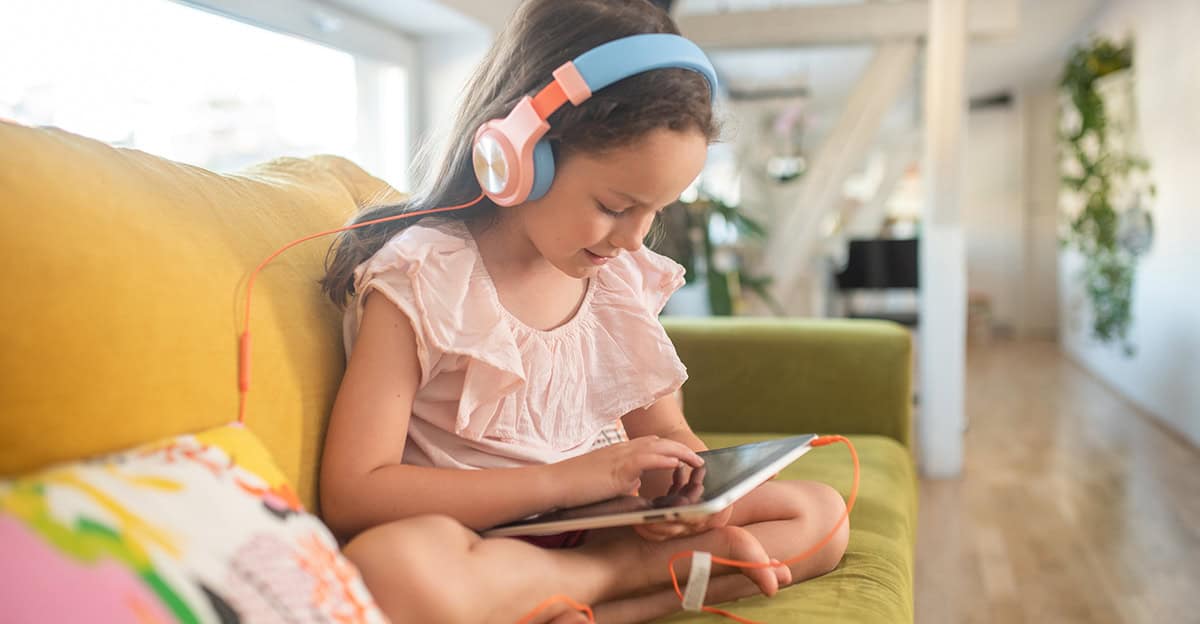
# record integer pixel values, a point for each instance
(125, 276)
(751, 379)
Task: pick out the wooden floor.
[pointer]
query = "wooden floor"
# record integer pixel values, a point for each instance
(1073, 505)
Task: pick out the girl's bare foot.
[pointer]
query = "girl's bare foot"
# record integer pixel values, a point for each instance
(737, 544)
(570, 617)
(743, 546)
(648, 562)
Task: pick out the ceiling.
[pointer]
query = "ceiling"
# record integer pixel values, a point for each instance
(421, 18)
(1033, 55)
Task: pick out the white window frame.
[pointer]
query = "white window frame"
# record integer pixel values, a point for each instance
(370, 43)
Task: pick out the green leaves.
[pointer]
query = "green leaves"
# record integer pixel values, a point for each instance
(725, 277)
(1108, 268)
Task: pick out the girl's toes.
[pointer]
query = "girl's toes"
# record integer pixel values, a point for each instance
(570, 617)
(783, 574)
(743, 546)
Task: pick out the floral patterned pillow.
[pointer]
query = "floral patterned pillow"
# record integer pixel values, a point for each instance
(195, 528)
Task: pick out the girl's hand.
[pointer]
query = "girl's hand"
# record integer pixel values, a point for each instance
(685, 489)
(616, 470)
(662, 531)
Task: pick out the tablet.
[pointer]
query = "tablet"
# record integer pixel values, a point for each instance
(727, 475)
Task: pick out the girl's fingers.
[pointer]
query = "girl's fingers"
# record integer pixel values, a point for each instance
(677, 450)
(659, 531)
(677, 480)
(654, 461)
(692, 491)
(669, 529)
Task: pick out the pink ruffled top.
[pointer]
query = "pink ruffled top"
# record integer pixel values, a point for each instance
(495, 392)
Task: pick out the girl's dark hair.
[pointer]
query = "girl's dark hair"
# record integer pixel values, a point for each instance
(539, 37)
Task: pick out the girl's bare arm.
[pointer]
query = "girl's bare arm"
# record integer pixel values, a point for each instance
(364, 483)
(665, 419)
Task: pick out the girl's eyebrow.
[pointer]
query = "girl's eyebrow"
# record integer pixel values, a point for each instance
(630, 197)
(636, 201)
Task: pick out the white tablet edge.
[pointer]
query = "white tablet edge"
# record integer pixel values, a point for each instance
(644, 516)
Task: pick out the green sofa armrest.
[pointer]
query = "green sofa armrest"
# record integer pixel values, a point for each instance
(756, 375)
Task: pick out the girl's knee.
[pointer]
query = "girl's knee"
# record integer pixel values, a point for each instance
(811, 501)
(819, 508)
(827, 508)
(828, 503)
(410, 537)
(401, 561)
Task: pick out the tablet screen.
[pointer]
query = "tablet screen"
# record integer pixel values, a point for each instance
(723, 470)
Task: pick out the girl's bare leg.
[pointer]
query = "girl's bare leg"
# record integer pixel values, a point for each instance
(665, 602)
(787, 518)
(432, 568)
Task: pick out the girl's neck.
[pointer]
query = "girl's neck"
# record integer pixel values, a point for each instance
(507, 250)
(527, 286)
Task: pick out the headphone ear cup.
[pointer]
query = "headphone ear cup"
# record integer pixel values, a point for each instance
(543, 169)
(491, 157)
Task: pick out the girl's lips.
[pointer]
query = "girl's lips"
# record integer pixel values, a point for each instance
(597, 259)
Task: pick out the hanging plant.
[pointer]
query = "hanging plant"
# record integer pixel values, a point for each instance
(688, 240)
(1109, 239)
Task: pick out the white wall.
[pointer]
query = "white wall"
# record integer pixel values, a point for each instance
(1164, 376)
(992, 216)
(1039, 288)
(446, 62)
(1010, 200)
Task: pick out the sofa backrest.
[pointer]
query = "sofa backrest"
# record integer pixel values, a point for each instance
(124, 277)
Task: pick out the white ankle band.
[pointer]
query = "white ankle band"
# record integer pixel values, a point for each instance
(697, 584)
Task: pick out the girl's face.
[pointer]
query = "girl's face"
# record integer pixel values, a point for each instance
(602, 204)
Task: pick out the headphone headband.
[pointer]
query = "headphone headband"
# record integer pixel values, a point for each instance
(625, 57)
(512, 161)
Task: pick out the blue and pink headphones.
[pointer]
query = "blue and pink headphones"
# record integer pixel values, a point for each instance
(514, 164)
(512, 161)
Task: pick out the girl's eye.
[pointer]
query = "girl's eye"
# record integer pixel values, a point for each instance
(611, 213)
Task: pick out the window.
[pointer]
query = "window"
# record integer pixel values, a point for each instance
(198, 87)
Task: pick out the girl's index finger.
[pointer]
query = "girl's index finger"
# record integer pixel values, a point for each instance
(680, 451)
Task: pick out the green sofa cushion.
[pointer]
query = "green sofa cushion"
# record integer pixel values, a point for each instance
(875, 579)
(750, 374)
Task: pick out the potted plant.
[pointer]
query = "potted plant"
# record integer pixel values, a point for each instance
(707, 236)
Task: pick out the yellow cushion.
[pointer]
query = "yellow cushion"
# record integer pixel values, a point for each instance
(124, 277)
(190, 528)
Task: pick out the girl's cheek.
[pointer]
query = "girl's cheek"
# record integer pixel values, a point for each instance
(599, 224)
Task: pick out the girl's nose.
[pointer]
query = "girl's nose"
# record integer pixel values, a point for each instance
(630, 234)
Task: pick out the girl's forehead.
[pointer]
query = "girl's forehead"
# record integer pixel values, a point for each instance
(658, 148)
(649, 170)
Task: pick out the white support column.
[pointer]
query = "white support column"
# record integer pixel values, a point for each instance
(942, 335)
(797, 236)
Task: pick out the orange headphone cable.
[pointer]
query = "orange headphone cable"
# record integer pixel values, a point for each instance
(821, 441)
(244, 339)
(244, 364)
(558, 598)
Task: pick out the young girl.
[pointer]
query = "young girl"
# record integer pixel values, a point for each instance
(507, 360)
